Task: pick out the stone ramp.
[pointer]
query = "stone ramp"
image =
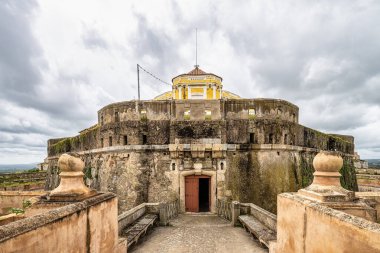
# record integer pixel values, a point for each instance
(198, 233)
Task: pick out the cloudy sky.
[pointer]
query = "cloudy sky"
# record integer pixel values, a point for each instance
(61, 61)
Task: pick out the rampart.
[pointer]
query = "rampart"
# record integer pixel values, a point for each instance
(252, 149)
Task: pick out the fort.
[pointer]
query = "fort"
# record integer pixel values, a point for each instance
(199, 143)
(244, 164)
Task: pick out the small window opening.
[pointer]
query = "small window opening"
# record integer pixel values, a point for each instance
(285, 139)
(207, 114)
(221, 166)
(143, 114)
(294, 117)
(173, 166)
(101, 120)
(116, 116)
(101, 142)
(144, 139)
(186, 115)
(251, 113)
(125, 140)
(110, 141)
(270, 139)
(278, 153)
(252, 138)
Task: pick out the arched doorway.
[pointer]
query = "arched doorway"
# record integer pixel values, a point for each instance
(197, 193)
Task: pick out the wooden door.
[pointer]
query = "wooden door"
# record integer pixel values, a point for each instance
(192, 194)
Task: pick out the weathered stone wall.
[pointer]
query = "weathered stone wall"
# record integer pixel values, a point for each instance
(135, 176)
(32, 180)
(253, 173)
(258, 176)
(269, 152)
(160, 132)
(86, 226)
(307, 226)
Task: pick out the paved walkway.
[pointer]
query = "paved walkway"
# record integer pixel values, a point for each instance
(198, 233)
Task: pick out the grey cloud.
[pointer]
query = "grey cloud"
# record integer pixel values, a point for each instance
(19, 51)
(322, 56)
(92, 39)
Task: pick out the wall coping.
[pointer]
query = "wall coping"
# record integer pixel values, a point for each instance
(342, 216)
(19, 227)
(135, 209)
(255, 209)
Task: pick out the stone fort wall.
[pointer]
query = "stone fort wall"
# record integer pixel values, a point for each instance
(253, 149)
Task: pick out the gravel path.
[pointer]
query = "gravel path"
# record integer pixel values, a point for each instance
(198, 233)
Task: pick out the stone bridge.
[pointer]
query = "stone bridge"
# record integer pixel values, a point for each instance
(198, 233)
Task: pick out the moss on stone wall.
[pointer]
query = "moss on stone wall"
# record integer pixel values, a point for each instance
(307, 170)
(348, 178)
(76, 143)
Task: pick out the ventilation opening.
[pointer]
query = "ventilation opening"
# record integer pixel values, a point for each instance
(186, 115)
(116, 116)
(251, 138)
(331, 144)
(207, 114)
(144, 139)
(204, 195)
(270, 139)
(125, 141)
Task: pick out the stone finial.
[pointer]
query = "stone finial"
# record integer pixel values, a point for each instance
(71, 187)
(327, 166)
(326, 185)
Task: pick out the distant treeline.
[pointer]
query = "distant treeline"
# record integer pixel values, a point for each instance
(6, 168)
(374, 163)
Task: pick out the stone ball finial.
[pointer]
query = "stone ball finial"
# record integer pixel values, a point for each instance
(71, 187)
(68, 163)
(326, 185)
(327, 166)
(327, 162)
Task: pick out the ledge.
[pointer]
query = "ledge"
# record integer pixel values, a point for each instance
(187, 147)
(350, 219)
(31, 223)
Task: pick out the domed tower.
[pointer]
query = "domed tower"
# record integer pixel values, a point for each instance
(197, 84)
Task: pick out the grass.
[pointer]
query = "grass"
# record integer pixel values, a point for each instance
(11, 184)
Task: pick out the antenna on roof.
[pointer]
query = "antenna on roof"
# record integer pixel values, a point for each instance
(196, 48)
